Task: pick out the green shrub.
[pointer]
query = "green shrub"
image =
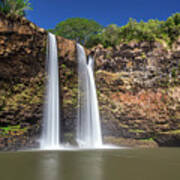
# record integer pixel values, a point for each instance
(171, 27)
(14, 7)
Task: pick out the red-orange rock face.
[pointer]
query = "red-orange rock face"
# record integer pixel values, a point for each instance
(139, 93)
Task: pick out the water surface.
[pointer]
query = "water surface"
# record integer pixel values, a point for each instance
(132, 164)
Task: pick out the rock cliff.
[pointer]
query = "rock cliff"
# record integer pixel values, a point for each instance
(138, 86)
(23, 77)
(139, 93)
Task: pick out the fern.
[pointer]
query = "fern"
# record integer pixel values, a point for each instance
(14, 7)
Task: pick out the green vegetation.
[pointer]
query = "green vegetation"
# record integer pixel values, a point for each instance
(78, 29)
(147, 140)
(14, 7)
(10, 129)
(174, 73)
(90, 33)
(171, 132)
(136, 131)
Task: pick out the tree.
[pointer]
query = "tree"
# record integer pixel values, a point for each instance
(14, 7)
(110, 35)
(90, 33)
(78, 29)
(172, 27)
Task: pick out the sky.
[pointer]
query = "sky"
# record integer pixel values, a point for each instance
(48, 13)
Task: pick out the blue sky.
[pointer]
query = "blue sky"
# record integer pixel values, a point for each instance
(47, 13)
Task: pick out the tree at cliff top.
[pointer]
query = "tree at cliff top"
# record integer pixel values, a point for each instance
(109, 36)
(152, 30)
(172, 27)
(113, 35)
(14, 7)
(90, 33)
(78, 29)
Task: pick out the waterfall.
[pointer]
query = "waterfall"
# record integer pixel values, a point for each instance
(88, 122)
(51, 129)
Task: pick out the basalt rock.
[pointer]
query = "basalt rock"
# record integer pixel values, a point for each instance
(138, 86)
(23, 80)
(139, 93)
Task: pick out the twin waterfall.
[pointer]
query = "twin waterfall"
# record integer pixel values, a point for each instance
(51, 128)
(88, 121)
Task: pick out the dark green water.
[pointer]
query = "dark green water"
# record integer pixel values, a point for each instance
(133, 164)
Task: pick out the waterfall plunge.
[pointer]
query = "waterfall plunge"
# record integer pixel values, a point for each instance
(88, 123)
(51, 130)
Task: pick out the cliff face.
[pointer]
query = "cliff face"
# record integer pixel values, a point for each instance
(23, 79)
(22, 75)
(139, 93)
(137, 83)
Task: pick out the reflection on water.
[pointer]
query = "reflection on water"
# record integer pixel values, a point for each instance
(70, 165)
(154, 164)
(49, 166)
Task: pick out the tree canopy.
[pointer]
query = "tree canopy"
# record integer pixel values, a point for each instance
(90, 33)
(79, 29)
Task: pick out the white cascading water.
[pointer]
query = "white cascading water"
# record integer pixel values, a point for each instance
(88, 122)
(51, 129)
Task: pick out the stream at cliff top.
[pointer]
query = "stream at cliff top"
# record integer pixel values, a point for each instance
(131, 164)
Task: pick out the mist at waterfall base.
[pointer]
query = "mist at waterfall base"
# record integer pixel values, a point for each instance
(51, 118)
